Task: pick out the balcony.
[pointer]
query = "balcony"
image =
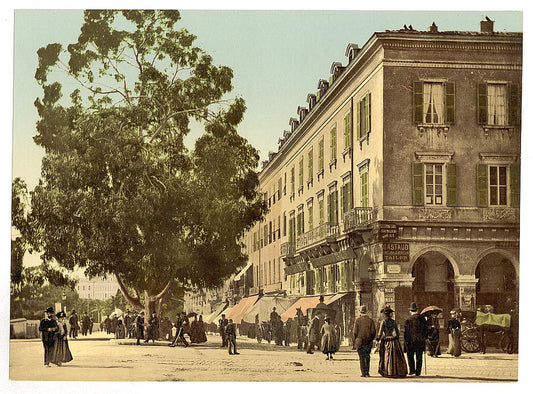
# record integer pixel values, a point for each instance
(320, 233)
(287, 249)
(358, 217)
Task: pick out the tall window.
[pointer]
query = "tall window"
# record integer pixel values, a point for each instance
(347, 131)
(434, 184)
(333, 205)
(321, 210)
(301, 174)
(309, 216)
(310, 165)
(333, 143)
(363, 117)
(346, 195)
(292, 181)
(498, 185)
(284, 224)
(364, 189)
(434, 102)
(300, 229)
(498, 104)
(321, 154)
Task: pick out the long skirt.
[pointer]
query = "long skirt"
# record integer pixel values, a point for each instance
(454, 347)
(328, 344)
(391, 359)
(61, 352)
(433, 347)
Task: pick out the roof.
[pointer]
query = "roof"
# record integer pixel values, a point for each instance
(264, 306)
(304, 303)
(239, 310)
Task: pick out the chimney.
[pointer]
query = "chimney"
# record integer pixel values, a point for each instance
(487, 26)
(433, 28)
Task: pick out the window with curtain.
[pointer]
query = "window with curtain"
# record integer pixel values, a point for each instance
(433, 102)
(497, 104)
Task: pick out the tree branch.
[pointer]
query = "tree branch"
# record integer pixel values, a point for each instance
(169, 285)
(134, 301)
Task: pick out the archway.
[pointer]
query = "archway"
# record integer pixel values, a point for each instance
(433, 281)
(497, 283)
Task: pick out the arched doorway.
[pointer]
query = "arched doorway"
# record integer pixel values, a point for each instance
(497, 283)
(433, 281)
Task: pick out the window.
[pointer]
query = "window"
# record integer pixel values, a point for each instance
(321, 155)
(284, 183)
(309, 216)
(498, 185)
(321, 210)
(310, 166)
(279, 188)
(333, 143)
(363, 117)
(292, 228)
(300, 229)
(364, 189)
(292, 181)
(301, 174)
(347, 131)
(434, 102)
(333, 205)
(284, 224)
(434, 187)
(270, 232)
(346, 194)
(434, 184)
(498, 104)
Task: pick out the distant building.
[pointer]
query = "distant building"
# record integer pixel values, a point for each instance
(97, 288)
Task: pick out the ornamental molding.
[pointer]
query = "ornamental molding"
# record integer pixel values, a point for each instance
(434, 156)
(461, 65)
(501, 214)
(435, 214)
(498, 158)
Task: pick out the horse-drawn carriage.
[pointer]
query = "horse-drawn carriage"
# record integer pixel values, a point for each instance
(480, 330)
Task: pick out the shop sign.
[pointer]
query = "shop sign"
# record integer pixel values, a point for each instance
(396, 252)
(394, 268)
(387, 231)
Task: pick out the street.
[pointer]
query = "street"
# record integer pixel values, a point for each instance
(100, 358)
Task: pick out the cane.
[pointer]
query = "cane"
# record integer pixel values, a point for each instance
(425, 364)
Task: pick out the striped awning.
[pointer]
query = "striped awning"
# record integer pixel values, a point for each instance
(239, 310)
(304, 303)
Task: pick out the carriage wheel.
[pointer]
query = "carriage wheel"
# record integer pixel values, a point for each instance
(506, 344)
(470, 341)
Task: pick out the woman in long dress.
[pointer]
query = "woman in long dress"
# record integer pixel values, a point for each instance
(194, 330)
(328, 343)
(433, 341)
(454, 335)
(201, 330)
(391, 359)
(61, 352)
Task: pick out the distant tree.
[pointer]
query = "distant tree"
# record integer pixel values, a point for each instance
(119, 193)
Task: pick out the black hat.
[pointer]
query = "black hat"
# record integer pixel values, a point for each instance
(364, 309)
(414, 307)
(387, 310)
(49, 310)
(73, 311)
(60, 314)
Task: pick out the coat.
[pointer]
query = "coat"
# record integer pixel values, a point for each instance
(416, 332)
(329, 342)
(364, 331)
(314, 330)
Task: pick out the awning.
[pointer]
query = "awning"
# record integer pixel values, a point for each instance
(239, 310)
(240, 274)
(213, 315)
(304, 303)
(264, 306)
(336, 297)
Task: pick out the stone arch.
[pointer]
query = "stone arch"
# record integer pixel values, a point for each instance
(434, 248)
(513, 258)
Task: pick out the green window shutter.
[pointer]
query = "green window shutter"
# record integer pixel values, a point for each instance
(330, 214)
(335, 207)
(347, 134)
(451, 185)
(349, 186)
(358, 117)
(321, 154)
(450, 102)
(482, 107)
(343, 277)
(331, 284)
(515, 185)
(482, 185)
(343, 199)
(310, 165)
(512, 104)
(418, 101)
(367, 114)
(418, 183)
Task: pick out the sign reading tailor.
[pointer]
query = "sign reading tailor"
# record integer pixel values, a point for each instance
(396, 251)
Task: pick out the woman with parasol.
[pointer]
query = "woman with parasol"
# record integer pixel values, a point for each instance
(391, 359)
(433, 343)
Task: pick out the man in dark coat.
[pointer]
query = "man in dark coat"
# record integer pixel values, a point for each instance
(231, 335)
(139, 327)
(128, 320)
(364, 332)
(73, 322)
(313, 334)
(48, 328)
(85, 323)
(179, 331)
(415, 335)
(107, 324)
(222, 323)
(153, 328)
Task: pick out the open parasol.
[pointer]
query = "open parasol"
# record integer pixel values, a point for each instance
(191, 314)
(430, 309)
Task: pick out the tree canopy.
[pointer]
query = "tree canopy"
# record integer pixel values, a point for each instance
(119, 192)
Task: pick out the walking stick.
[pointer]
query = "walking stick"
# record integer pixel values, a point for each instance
(425, 364)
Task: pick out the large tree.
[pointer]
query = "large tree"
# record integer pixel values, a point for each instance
(120, 194)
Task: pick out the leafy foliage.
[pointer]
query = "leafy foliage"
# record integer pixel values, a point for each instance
(119, 191)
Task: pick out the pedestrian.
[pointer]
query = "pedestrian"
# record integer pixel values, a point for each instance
(231, 335)
(364, 332)
(454, 335)
(179, 331)
(139, 327)
(48, 327)
(120, 332)
(60, 352)
(152, 331)
(222, 323)
(287, 328)
(391, 359)
(85, 322)
(415, 334)
(194, 330)
(313, 334)
(107, 324)
(128, 320)
(201, 330)
(433, 342)
(277, 329)
(329, 342)
(73, 322)
(91, 325)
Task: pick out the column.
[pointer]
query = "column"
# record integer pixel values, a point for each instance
(465, 292)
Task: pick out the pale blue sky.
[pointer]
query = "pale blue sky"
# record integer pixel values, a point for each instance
(277, 58)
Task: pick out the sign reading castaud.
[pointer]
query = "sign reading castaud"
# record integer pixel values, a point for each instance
(396, 251)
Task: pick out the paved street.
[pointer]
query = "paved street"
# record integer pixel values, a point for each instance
(97, 358)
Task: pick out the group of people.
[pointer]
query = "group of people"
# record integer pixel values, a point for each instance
(228, 333)
(421, 333)
(54, 335)
(74, 324)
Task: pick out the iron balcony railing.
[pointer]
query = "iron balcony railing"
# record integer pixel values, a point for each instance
(357, 217)
(287, 249)
(319, 233)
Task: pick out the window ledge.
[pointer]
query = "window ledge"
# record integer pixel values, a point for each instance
(495, 128)
(333, 163)
(319, 173)
(363, 139)
(438, 128)
(309, 183)
(347, 152)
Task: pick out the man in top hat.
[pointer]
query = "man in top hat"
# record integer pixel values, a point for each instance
(73, 322)
(364, 332)
(222, 323)
(48, 328)
(415, 335)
